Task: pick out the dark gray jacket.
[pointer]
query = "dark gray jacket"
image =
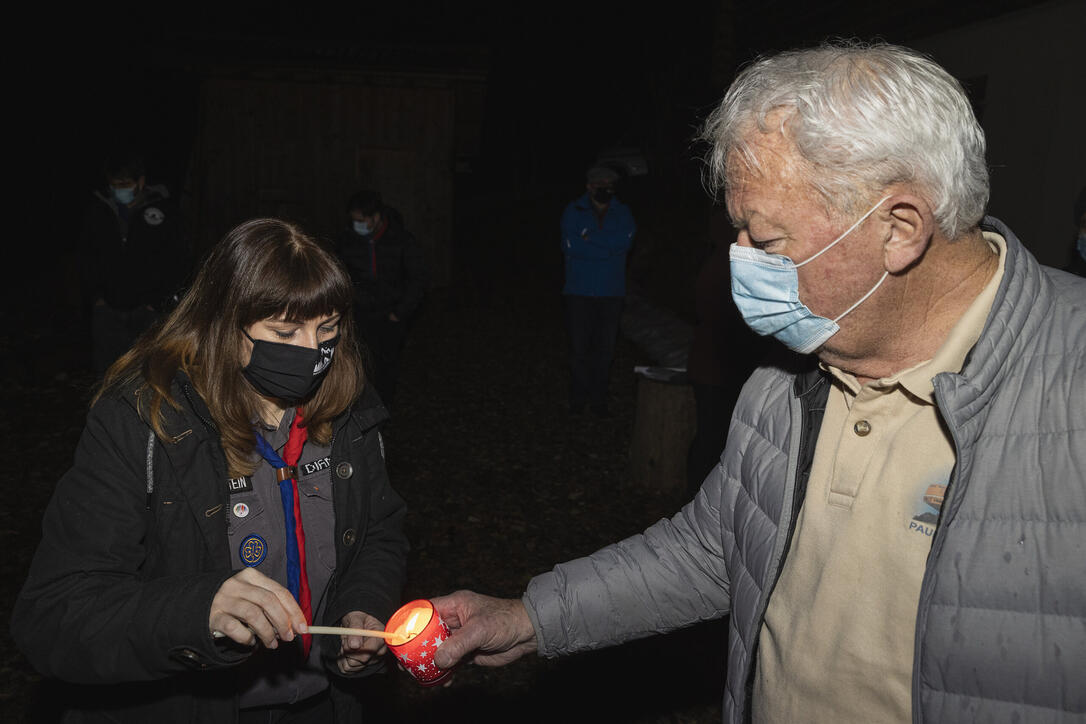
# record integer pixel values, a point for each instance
(1001, 625)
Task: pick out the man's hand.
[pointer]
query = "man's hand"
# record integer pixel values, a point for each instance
(250, 606)
(392, 317)
(357, 652)
(492, 631)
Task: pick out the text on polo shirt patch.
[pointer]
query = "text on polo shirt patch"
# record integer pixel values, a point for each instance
(239, 485)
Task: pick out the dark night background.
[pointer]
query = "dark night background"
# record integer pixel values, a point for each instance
(500, 483)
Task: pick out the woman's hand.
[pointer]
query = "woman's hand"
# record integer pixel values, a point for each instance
(357, 652)
(250, 606)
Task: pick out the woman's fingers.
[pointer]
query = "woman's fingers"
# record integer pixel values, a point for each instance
(249, 606)
(356, 652)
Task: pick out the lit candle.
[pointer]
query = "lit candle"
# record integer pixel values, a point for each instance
(417, 633)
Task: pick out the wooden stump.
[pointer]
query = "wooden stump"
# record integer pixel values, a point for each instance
(664, 426)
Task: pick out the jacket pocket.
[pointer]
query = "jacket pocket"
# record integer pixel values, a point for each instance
(319, 515)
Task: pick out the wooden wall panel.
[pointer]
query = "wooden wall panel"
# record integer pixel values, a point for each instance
(298, 147)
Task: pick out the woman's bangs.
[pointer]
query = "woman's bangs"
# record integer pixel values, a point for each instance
(300, 292)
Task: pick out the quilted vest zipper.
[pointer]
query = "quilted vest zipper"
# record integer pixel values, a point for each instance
(946, 514)
(808, 408)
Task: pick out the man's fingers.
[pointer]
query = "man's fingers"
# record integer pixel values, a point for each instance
(461, 642)
(497, 631)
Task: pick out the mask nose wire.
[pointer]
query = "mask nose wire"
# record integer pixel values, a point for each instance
(842, 236)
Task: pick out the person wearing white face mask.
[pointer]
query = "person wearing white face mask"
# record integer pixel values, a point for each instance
(135, 257)
(765, 287)
(389, 273)
(895, 526)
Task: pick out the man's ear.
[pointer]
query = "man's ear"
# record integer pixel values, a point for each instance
(911, 227)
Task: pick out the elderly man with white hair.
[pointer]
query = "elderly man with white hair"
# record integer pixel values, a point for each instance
(897, 526)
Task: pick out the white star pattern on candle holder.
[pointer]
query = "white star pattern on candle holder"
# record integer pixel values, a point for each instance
(427, 651)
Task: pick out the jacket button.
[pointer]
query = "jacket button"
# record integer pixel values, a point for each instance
(862, 428)
(344, 471)
(348, 537)
(190, 657)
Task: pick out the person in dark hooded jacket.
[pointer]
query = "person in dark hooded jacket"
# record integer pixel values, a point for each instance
(388, 271)
(135, 255)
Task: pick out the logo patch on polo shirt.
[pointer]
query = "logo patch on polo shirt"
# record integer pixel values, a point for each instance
(930, 502)
(239, 485)
(252, 550)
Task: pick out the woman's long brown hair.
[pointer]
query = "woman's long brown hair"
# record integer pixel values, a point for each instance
(263, 268)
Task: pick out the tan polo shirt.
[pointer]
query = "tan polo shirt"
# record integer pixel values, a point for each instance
(837, 643)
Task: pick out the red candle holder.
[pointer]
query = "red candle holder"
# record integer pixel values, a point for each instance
(420, 632)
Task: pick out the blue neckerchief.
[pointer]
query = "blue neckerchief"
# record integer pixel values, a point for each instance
(286, 496)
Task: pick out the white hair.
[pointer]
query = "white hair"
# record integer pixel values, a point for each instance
(861, 117)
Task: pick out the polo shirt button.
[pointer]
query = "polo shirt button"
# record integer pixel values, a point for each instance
(348, 537)
(862, 428)
(344, 471)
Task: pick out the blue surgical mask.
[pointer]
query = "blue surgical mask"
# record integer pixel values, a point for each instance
(361, 228)
(765, 287)
(124, 194)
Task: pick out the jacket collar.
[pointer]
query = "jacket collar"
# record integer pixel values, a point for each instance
(1020, 306)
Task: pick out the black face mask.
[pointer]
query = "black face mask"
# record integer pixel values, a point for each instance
(286, 371)
(602, 196)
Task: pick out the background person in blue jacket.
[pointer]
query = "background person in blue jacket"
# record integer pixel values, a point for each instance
(597, 230)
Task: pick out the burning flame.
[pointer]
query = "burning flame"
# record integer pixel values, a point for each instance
(412, 628)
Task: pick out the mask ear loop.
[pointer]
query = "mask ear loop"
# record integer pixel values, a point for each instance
(860, 301)
(842, 236)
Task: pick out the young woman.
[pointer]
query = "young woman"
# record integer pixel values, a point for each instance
(228, 489)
